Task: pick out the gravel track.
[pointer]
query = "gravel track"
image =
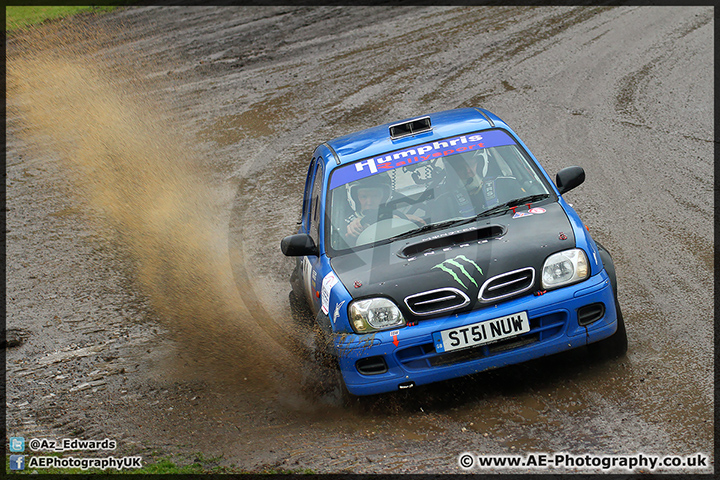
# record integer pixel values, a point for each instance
(625, 92)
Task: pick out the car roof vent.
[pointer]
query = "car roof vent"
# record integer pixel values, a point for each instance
(412, 127)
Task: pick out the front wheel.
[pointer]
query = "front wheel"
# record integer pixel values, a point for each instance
(616, 344)
(325, 383)
(299, 310)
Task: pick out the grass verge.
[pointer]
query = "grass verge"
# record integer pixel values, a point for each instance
(22, 17)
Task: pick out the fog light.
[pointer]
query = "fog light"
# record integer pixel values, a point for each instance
(590, 313)
(371, 365)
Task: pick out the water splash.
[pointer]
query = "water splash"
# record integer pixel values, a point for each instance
(143, 177)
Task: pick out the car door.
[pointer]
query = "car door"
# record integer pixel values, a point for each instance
(312, 213)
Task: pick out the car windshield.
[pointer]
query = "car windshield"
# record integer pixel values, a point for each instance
(416, 190)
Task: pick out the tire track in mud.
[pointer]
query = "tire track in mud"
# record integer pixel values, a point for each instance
(646, 232)
(628, 103)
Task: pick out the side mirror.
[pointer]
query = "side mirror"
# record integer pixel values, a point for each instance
(569, 178)
(298, 245)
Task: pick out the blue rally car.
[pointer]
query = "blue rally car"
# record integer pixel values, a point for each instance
(438, 247)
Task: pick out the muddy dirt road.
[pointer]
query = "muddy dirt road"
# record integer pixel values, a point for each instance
(156, 157)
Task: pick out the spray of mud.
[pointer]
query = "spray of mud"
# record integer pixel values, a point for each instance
(141, 175)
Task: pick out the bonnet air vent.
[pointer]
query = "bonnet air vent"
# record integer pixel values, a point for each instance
(484, 233)
(405, 129)
(436, 301)
(507, 284)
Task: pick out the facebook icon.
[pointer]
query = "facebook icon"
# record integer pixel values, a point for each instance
(17, 462)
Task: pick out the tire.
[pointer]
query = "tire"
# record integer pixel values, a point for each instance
(616, 344)
(323, 380)
(299, 310)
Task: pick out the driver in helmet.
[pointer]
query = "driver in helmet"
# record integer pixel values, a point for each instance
(369, 196)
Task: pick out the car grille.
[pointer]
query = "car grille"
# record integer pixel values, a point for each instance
(436, 301)
(424, 356)
(507, 284)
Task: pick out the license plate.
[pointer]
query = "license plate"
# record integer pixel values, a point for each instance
(481, 333)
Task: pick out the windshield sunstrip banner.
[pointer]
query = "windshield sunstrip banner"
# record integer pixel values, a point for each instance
(418, 153)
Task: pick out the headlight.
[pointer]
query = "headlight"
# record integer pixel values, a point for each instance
(564, 268)
(372, 314)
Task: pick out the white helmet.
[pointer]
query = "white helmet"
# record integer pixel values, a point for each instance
(380, 181)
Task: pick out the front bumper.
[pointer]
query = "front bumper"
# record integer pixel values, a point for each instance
(554, 328)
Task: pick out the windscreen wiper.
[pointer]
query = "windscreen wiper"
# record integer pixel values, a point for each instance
(427, 228)
(512, 203)
(464, 221)
(503, 207)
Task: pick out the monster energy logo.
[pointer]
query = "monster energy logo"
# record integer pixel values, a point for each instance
(455, 263)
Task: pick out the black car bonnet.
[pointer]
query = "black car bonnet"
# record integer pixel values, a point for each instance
(460, 259)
